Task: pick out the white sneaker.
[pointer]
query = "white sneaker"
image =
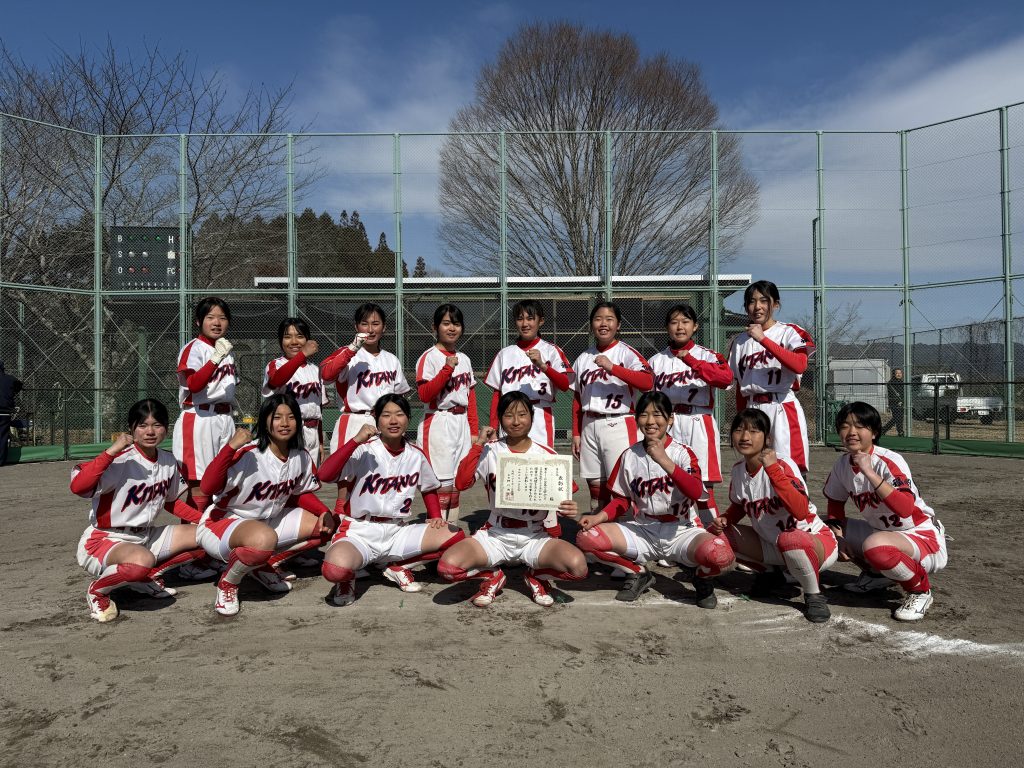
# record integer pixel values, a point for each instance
(868, 582)
(914, 607)
(196, 572)
(155, 588)
(402, 577)
(664, 563)
(271, 580)
(342, 594)
(538, 591)
(490, 589)
(101, 607)
(227, 598)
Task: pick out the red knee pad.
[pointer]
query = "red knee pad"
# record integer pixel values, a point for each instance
(455, 539)
(132, 572)
(792, 541)
(251, 556)
(336, 573)
(594, 540)
(883, 558)
(450, 572)
(714, 554)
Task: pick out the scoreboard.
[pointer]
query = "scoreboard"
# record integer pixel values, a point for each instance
(144, 257)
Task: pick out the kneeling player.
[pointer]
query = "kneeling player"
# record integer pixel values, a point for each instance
(264, 509)
(511, 536)
(785, 529)
(129, 483)
(384, 472)
(663, 480)
(900, 539)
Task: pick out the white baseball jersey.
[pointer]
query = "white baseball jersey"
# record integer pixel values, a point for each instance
(304, 385)
(679, 381)
(133, 489)
(846, 479)
(386, 483)
(641, 479)
(367, 378)
(259, 484)
(487, 470)
(513, 371)
(601, 391)
(759, 500)
(756, 369)
(221, 387)
(456, 390)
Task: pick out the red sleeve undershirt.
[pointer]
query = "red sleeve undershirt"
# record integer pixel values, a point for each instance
(577, 416)
(465, 475)
(89, 474)
(281, 376)
(617, 507)
(795, 360)
(180, 509)
(559, 379)
(472, 414)
(687, 483)
(836, 510)
(428, 390)
(433, 504)
(495, 397)
(197, 380)
(216, 475)
(734, 513)
(796, 503)
(330, 471)
(309, 502)
(901, 502)
(642, 380)
(335, 363)
(716, 374)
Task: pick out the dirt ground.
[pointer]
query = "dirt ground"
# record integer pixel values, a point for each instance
(428, 680)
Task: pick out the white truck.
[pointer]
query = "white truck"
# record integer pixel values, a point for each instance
(947, 390)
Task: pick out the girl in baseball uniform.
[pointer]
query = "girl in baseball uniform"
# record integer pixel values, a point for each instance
(295, 374)
(510, 536)
(784, 529)
(899, 538)
(385, 472)
(206, 393)
(767, 360)
(445, 381)
(608, 377)
(662, 479)
(689, 374)
(533, 366)
(265, 508)
(129, 483)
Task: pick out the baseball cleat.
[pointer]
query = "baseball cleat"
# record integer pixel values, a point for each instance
(635, 586)
(538, 592)
(155, 588)
(303, 561)
(817, 608)
(664, 563)
(227, 598)
(767, 584)
(914, 607)
(271, 580)
(196, 571)
(489, 590)
(286, 575)
(101, 607)
(402, 577)
(342, 594)
(705, 589)
(868, 582)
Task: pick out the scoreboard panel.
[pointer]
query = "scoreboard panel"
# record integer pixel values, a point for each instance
(144, 257)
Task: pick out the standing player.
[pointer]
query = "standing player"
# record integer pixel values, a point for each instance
(294, 374)
(510, 536)
(767, 360)
(662, 479)
(206, 392)
(385, 472)
(900, 539)
(444, 382)
(532, 366)
(785, 529)
(264, 504)
(609, 375)
(689, 374)
(129, 483)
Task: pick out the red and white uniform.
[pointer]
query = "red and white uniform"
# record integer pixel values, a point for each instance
(769, 498)
(384, 486)
(689, 376)
(903, 511)
(603, 415)
(206, 394)
(666, 521)
(259, 486)
(766, 384)
(128, 491)
(300, 379)
(361, 379)
(451, 419)
(513, 371)
(511, 535)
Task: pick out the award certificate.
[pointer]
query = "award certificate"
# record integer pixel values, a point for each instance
(533, 481)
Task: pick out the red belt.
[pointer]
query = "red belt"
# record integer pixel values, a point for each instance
(767, 397)
(514, 522)
(458, 410)
(217, 407)
(312, 423)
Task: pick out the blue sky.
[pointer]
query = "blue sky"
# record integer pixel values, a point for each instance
(407, 66)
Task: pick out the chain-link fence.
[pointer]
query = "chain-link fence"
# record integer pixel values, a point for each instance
(893, 248)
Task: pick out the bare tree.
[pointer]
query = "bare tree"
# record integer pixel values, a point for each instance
(556, 90)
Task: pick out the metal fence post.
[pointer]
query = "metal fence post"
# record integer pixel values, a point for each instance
(908, 361)
(399, 292)
(290, 237)
(608, 215)
(503, 233)
(184, 331)
(715, 299)
(97, 286)
(1007, 224)
(820, 312)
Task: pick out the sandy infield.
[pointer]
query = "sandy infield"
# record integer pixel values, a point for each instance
(428, 680)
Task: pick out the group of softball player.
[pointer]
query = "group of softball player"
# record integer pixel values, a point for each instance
(643, 432)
